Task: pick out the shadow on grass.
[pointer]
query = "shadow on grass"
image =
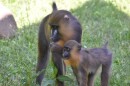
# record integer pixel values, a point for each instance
(101, 21)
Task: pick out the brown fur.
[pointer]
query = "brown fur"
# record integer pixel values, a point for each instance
(61, 43)
(89, 61)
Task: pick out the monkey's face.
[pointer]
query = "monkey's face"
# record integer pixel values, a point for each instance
(61, 31)
(61, 28)
(66, 52)
(71, 49)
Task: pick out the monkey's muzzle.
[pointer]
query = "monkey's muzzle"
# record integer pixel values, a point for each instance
(54, 35)
(66, 55)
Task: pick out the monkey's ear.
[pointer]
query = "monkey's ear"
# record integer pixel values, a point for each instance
(79, 47)
(66, 17)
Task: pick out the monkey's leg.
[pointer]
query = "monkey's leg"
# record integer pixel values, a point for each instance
(91, 79)
(76, 73)
(58, 62)
(83, 77)
(105, 74)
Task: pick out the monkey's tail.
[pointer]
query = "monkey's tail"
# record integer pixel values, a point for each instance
(105, 45)
(43, 50)
(54, 7)
(43, 39)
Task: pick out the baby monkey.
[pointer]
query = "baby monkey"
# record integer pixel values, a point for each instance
(86, 62)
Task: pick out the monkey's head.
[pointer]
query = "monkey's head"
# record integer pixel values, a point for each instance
(62, 26)
(71, 48)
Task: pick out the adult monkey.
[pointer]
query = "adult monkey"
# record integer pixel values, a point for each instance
(60, 26)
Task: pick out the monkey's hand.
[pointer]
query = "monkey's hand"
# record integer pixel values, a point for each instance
(56, 48)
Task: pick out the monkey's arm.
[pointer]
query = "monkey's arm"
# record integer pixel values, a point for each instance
(76, 73)
(58, 62)
(83, 77)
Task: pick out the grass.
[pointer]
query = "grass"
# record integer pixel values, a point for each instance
(101, 20)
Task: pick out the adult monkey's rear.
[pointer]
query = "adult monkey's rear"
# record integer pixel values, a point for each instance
(59, 27)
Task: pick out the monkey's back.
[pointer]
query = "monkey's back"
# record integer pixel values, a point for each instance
(93, 58)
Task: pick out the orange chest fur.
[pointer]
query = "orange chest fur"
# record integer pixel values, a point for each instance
(73, 61)
(61, 43)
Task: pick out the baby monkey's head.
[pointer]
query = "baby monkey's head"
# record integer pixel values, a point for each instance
(71, 48)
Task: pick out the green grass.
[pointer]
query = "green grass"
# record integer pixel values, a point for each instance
(101, 20)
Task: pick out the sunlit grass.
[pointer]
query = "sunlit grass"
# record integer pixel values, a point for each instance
(122, 5)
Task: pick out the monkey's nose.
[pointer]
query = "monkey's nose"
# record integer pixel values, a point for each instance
(65, 55)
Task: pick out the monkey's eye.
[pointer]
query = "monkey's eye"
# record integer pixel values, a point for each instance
(54, 26)
(66, 49)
